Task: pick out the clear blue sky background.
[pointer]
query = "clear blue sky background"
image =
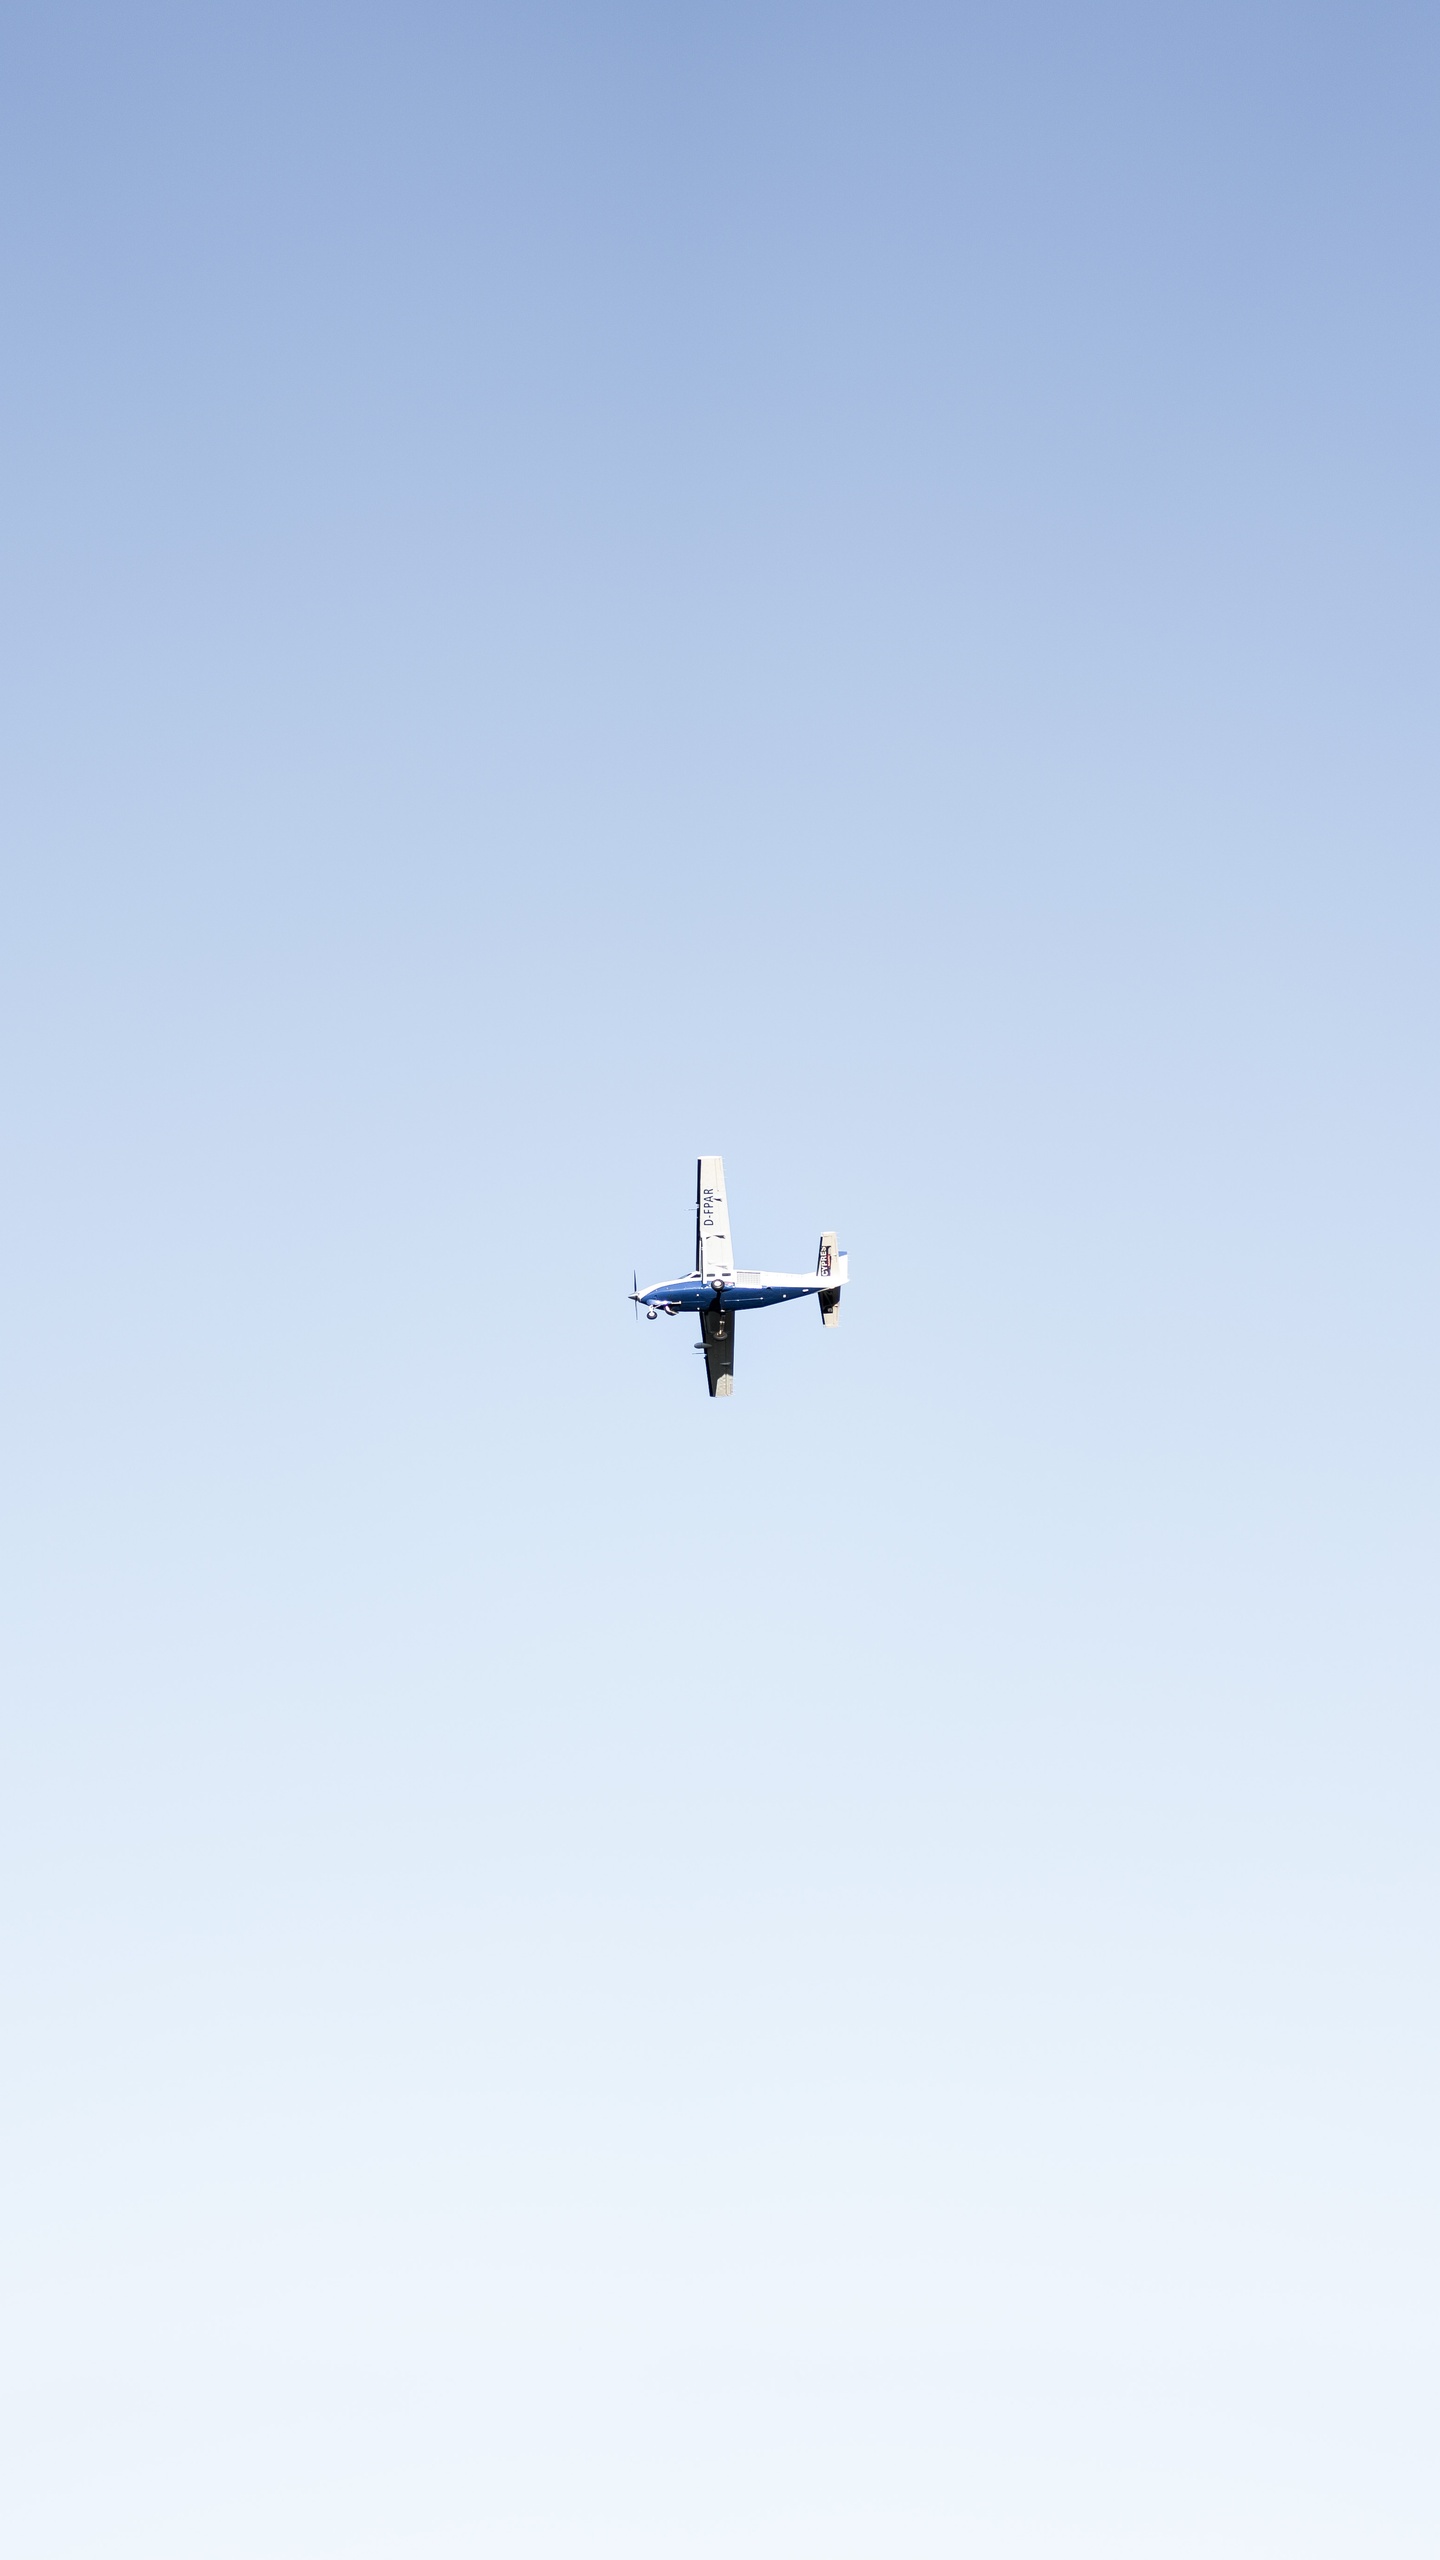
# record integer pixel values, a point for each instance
(590, 1975)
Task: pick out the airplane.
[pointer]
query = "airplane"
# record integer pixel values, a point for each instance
(717, 1292)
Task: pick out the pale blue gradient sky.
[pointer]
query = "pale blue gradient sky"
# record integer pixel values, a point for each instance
(592, 1976)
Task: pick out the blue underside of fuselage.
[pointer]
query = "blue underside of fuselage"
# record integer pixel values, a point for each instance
(692, 1295)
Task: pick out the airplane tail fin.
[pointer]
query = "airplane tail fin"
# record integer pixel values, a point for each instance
(829, 1298)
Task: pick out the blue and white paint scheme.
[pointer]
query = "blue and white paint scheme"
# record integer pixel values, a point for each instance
(717, 1290)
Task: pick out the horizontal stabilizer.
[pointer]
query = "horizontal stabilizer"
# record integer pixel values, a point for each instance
(829, 1261)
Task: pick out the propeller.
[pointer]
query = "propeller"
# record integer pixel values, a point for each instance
(653, 1314)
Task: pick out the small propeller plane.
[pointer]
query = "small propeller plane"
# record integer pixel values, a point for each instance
(717, 1292)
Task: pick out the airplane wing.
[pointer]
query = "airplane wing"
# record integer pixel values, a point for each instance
(714, 1252)
(717, 1332)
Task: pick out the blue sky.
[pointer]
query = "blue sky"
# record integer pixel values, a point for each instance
(590, 1973)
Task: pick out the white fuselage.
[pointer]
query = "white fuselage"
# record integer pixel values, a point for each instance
(739, 1289)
